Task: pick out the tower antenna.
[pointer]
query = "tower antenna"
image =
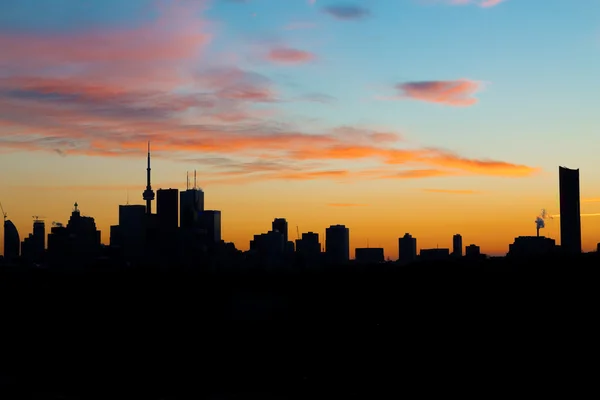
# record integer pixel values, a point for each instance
(187, 180)
(195, 187)
(148, 194)
(3, 213)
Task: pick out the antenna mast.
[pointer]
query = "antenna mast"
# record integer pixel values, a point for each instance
(195, 187)
(187, 180)
(3, 213)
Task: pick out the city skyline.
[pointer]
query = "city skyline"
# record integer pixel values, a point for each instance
(327, 113)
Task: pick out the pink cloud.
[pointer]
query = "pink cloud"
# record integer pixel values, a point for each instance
(105, 93)
(480, 3)
(290, 56)
(453, 93)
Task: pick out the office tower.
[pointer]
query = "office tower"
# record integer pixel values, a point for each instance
(337, 244)
(148, 194)
(281, 225)
(132, 230)
(210, 222)
(457, 245)
(191, 204)
(570, 214)
(309, 244)
(77, 242)
(268, 248)
(12, 242)
(434, 254)
(472, 251)
(39, 236)
(167, 209)
(33, 246)
(407, 249)
(308, 249)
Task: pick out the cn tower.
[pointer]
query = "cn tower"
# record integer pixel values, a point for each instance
(148, 194)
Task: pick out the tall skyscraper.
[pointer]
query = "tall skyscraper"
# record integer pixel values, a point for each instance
(570, 213)
(457, 245)
(281, 225)
(210, 222)
(407, 249)
(167, 209)
(191, 204)
(12, 242)
(337, 244)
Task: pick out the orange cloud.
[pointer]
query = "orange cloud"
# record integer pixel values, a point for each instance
(130, 88)
(451, 191)
(418, 173)
(453, 93)
(290, 56)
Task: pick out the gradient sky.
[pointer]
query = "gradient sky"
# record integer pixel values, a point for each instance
(432, 117)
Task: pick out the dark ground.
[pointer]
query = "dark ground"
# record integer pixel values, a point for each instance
(455, 330)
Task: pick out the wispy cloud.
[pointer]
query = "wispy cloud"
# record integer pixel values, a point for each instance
(452, 93)
(479, 3)
(347, 12)
(285, 55)
(107, 92)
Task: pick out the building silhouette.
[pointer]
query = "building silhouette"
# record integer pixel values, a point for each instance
(457, 245)
(281, 225)
(570, 213)
(78, 242)
(33, 246)
(308, 249)
(531, 246)
(12, 242)
(337, 244)
(167, 209)
(434, 254)
(369, 255)
(129, 236)
(210, 223)
(191, 204)
(407, 249)
(472, 251)
(268, 248)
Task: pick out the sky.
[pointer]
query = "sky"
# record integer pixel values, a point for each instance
(431, 117)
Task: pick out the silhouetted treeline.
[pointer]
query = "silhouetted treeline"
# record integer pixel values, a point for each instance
(110, 332)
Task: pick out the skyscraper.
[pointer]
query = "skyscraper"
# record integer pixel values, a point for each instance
(167, 209)
(12, 242)
(191, 204)
(407, 249)
(337, 244)
(210, 222)
(457, 245)
(281, 225)
(570, 213)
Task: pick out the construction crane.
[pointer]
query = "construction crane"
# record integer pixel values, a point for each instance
(37, 218)
(5, 215)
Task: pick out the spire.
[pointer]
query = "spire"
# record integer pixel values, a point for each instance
(148, 194)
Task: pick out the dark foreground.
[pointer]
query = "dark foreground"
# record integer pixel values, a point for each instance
(454, 329)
